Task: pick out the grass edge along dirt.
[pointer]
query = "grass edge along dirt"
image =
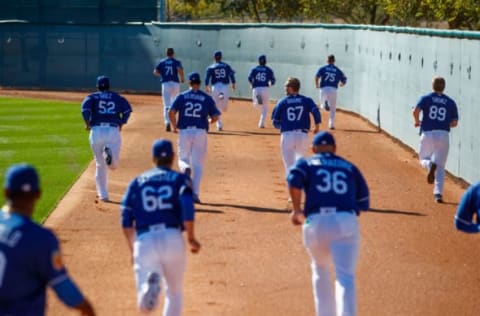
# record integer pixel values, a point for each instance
(49, 135)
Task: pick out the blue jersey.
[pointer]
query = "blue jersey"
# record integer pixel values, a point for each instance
(168, 69)
(293, 113)
(155, 197)
(104, 107)
(29, 262)
(438, 111)
(194, 108)
(261, 76)
(468, 209)
(330, 76)
(329, 181)
(219, 72)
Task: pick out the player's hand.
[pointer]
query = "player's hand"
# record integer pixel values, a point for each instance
(194, 245)
(297, 217)
(207, 89)
(417, 124)
(88, 127)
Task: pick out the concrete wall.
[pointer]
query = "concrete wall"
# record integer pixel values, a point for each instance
(387, 68)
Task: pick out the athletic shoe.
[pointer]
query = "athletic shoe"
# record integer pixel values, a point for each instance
(219, 128)
(438, 198)
(332, 127)
(105, 199)
(326, 107)
(188, 172)
(431, 173)
(168, 128)
(261, 126)
(221, 96)
(107, 155)
(150, 298)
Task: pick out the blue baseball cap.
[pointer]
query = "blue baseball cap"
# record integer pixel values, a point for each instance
(103, 82)
(217, 54)
(22, 178)
(194, 77)
(323, 138)
(262, 59)
(162, 148)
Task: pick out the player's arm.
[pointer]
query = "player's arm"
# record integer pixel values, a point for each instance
(232, 78)
(181, 74)
(343, 79)
(464, 216)
(71, 296)
(208, 74)
(317, 118)
(86, 109)
(172, 115)
(188, 215)
(416, 116)
(156, 72)
(295, 185)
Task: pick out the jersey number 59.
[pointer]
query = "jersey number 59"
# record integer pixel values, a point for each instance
(154, 199)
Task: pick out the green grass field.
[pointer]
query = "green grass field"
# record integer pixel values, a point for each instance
(49, 135)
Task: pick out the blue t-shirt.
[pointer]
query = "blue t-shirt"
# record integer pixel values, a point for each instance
(329, 181)
(438, 111)
(168, 69)
(468, 209)
(194, 108)
(261, 76)
(293, 112)
(219, 72)
(330, 76)
(30, 261)
(106, 107)
(154, 197)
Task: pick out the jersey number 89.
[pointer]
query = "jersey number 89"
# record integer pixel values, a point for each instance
(437, 113)
(332, 181)
(153, 200)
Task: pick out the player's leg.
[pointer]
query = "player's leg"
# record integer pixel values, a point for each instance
(184, 142)
(345, 250)
(173, 263)
(255, 100)
(316, 241)
(425, 151)
(114, 142)
(97, 143)
(301, 145)
(218, 96)
(166, 101)
(332, 101)
(199, 153)
(441, 147)
(287, 145)
(146, 261)
(265, 99)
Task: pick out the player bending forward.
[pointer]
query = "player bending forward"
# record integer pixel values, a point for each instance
(156, 208)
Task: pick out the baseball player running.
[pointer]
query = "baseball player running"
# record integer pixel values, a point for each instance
(171, 72)
(220, 75)
(335, 193)
(292, 116)
(30, 258)
(261, 78)
(328, 78)
(104, 113)
(196, 110)
(439, 114)
(156, 208)
(469, 208)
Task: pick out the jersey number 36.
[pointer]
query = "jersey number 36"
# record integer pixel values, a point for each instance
(332, 181)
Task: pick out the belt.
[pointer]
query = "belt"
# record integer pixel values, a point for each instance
(106, 124)
(157, 228)
(330, 210)
(297, 130)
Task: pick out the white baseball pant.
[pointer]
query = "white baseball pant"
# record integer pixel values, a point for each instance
(329, 94)
(294, 145)
(221, 95)
(333, 236)
(434, 146)
(101, 136)
(192, 151)
(264, 94)
(161, 251)
(170, 90)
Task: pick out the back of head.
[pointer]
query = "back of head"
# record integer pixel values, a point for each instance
(262, 60)
(294, 83)
(438, 84)
(217, 55)
(21, 179)
(169, 52)
(323, 142)
(331, 59)
(103, 83)
(162, 152)
(194, 78)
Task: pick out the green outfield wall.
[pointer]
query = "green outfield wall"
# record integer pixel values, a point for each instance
(388, 68)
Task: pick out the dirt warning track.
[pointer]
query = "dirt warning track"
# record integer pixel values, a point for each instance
(412, 261)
